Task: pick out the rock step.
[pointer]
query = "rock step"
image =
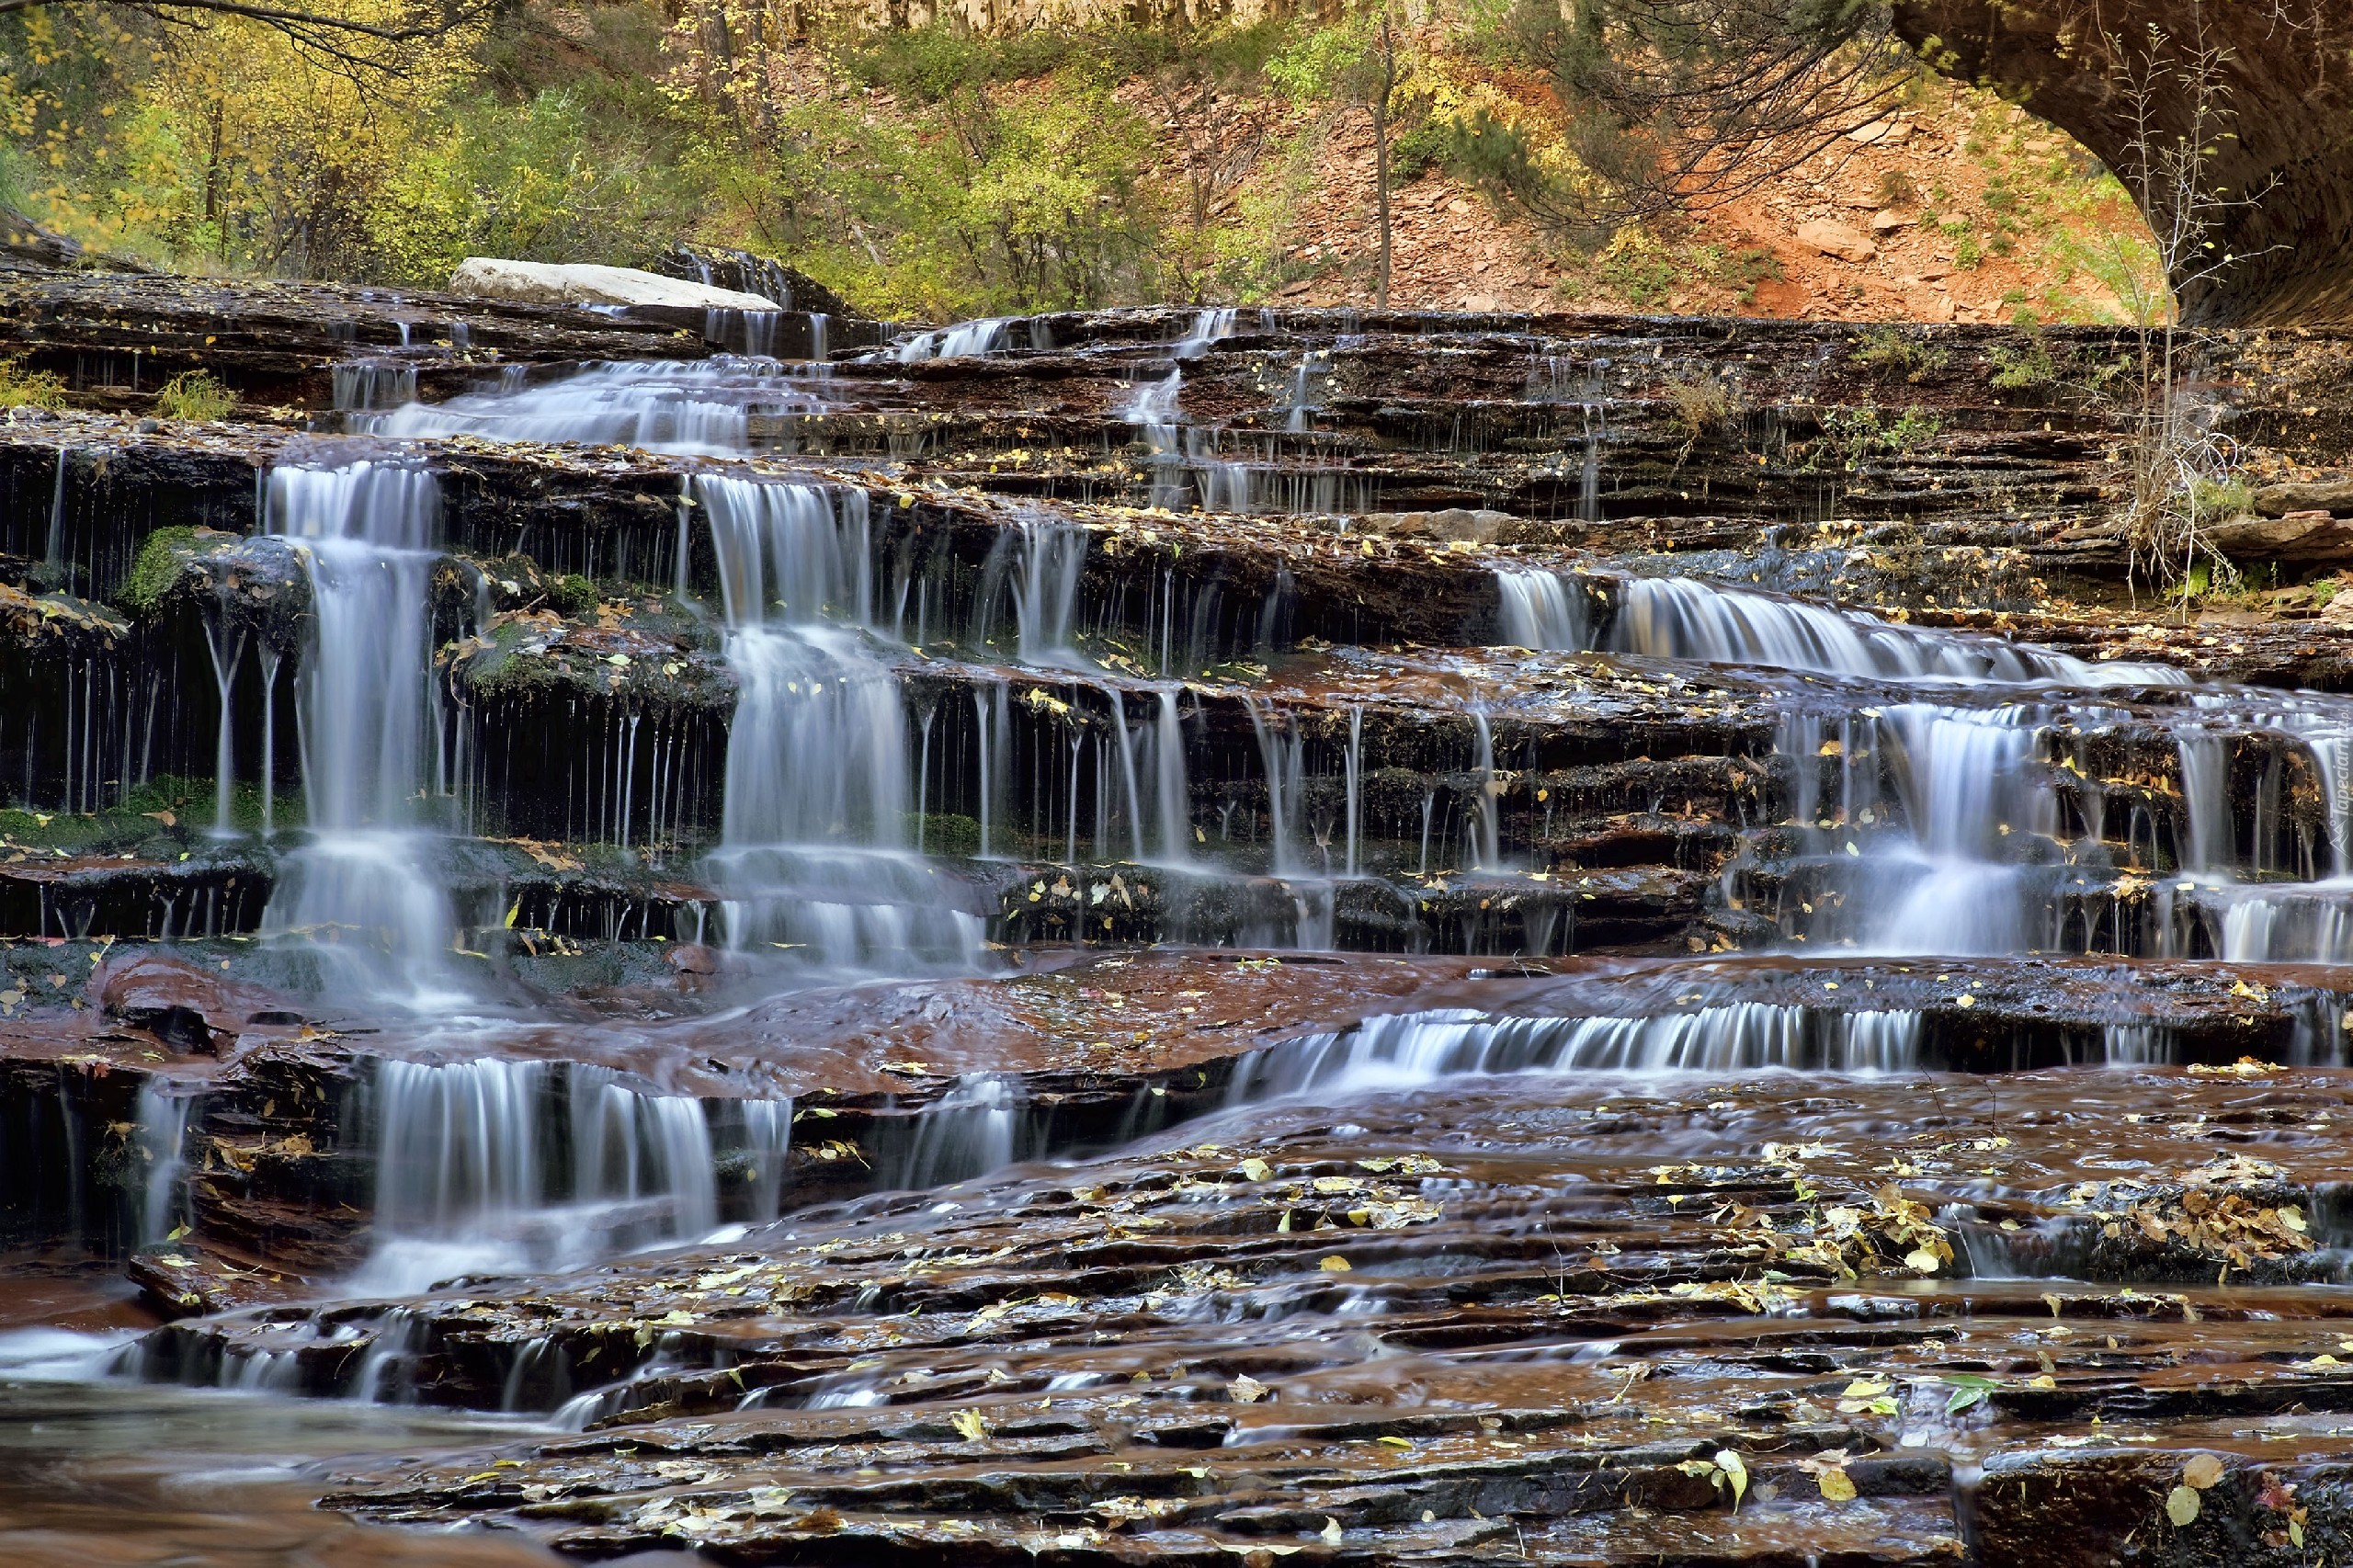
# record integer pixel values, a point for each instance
(921, 1381)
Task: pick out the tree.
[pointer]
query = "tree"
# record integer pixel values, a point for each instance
(1671, 104)
(361, 37)
(1365, 63)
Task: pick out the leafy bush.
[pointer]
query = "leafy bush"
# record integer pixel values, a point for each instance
(1703, 403)
(1851, 436)
(537, 182)
(194, 395)
(2217, 500)
(20, 388)
(2023, 369)
(1895, 350)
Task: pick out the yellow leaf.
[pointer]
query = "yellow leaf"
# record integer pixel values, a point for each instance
(513, 910)
(1334, 1264)
(970, 1424)
(2202, 1471)
(1256, 1170)
(1838, 1486)
(2182, 1505)
(1735, 1472)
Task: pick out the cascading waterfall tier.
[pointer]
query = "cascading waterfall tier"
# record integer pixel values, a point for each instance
(1957, 825)
(1408, 1050)
(1683, 618)
(362, 882)
(706, 407)
(816, 846)
(496, 1165)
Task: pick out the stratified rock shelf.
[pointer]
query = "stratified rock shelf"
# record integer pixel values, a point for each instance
(1196, 936)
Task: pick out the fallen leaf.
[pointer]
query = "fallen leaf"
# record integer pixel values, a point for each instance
(1735, 1472)
(2182, 1505)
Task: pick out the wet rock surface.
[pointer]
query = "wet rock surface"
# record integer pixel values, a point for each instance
(1186, 935)
(1530, 1310)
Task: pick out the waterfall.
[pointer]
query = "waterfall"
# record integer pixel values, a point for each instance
(1281, 751)
(1208, 325)
(53, 558)
(161, 1132)
(969, 1131)
(1486, 813)
(985, 335)
(1596, 430)
(1038, 565)
(367, 715)
(2210, 837)
(1153, 410)
(1408, 1050)
(1943, 836)
(224, 749)
(1683, 618)
(693, 406)
(1541, 609)
(471, 1175)
(1314, 366)
(372, 386)
(1168, 772)
(1354, 779)
(814, 836)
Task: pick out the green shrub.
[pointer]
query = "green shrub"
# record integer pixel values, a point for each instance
(194, 395)
(20, 388)
(2213, 500)
(943, 832)
(2025, 369)
(1895, 350)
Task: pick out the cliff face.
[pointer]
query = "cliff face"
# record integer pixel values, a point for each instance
(2284, 84)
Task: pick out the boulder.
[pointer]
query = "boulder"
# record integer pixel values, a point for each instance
(1833, 238)
(551, 283)
(2307, 536)
(2305, 495)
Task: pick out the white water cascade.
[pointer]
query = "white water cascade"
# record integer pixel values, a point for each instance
(816, 849)
(1683, 618)
(1413, 1049)
(497, 1166)
(363, 883)
(985, 335)
(695, 406)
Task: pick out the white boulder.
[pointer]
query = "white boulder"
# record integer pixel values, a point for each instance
(583, 283)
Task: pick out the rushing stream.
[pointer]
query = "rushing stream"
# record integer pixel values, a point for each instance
(1065, 916)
